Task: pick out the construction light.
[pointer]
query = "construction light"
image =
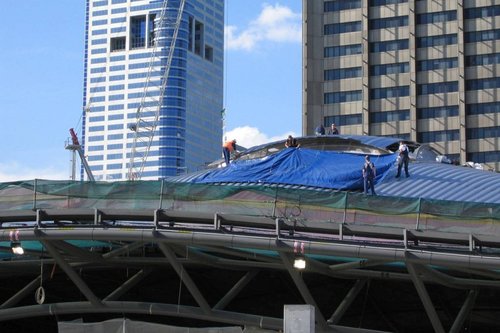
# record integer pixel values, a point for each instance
(299, 262)
(16, 247)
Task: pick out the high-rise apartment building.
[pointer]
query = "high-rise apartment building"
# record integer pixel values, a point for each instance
(126, 57)
(424, 70)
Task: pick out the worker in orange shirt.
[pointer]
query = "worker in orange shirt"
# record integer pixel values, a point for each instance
(227, 148)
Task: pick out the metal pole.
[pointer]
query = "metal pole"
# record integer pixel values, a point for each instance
(161, 194)
(418, 213)
(34, 194)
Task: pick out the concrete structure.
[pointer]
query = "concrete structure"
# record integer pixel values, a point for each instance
(421, 70)
(120, 63)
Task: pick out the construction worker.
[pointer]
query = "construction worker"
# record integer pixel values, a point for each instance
(227, 148)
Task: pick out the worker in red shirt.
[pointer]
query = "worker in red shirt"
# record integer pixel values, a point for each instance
(227, 148)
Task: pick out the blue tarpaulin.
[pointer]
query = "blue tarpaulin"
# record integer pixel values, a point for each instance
(301, 166)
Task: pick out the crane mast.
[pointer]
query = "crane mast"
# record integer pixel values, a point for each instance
(76, 146)
(145, 125)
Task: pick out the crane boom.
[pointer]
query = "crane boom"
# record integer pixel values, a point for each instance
(145, 126)
(76, 146)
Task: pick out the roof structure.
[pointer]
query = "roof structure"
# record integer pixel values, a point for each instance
(206, 250)
(335, 162)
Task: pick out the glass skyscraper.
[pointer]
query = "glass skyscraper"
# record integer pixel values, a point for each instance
(126, 55)
(417, 69)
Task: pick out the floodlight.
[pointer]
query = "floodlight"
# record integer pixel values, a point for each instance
(299, 262)
(16, 247)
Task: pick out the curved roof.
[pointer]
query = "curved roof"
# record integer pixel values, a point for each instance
(335, 162)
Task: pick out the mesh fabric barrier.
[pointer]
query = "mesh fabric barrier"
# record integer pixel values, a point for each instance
(300, 204)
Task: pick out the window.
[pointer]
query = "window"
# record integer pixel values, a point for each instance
(115, 146)
(338, 5)
(450, 15)
(483, 132)
(116, 77)
(374, 3)
(385, 116)
(115, 127)
(388, 22)
(116, 97)
(96, 128)
(198, 37)
(117, 44)
(482, 36)
(344, 120)
(480, 84)
(438, 136)
(479, 12)
(209, 53)
(339, 51)
(115, 116)
(482, 108)
(433, 64)
(95, 158)
(137, 32)
(114, 166)
(402, 67)
(486, 157)
(390, 92)
(437, 112)
(342, 97)
(151, 30)
(342, 73)
(114, 156)
(437, 88)
(96, 138)
(482, 59)
(115, 136)
(339, 28)
(390, 45)
(439, 40)
(190, 33)
(99, 41)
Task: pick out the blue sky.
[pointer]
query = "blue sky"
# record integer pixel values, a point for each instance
(41, 71)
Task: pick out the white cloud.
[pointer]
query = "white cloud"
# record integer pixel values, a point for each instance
(275, 23)
(247, 136)
(15, 172)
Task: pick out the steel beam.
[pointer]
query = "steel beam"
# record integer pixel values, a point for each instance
(347, 301)
(77, 280)
(262, 242)
(21, 294)
(185, 278)
(154, 309)
(464, 311)
(235, 290)
(76, 251)
(123, 250)
(356, 264)
(426, 300)
(129, 284)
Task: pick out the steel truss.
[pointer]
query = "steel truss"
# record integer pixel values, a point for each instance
(184, 241)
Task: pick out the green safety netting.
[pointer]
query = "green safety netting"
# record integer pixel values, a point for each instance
(300, 204)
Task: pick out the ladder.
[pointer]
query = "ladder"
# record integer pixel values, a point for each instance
(145, 125)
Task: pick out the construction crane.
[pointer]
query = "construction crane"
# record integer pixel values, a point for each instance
(75, 146)
(145, 127)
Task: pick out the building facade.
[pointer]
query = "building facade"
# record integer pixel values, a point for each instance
(126, 57)
(423, 70)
